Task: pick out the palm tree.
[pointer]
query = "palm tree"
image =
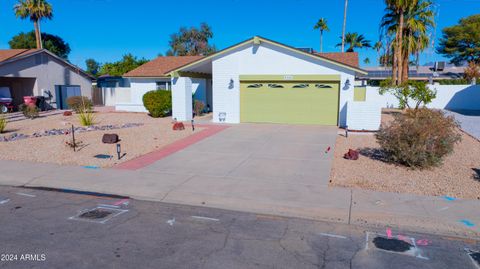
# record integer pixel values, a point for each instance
(322, 26)
(377, 47)
(344, 25)
(354, 40)
(35, 10)
(410, 26)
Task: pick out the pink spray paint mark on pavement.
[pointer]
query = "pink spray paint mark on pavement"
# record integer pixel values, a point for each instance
(423, 242)
(121, 202)
(327, 150)
(389, 233)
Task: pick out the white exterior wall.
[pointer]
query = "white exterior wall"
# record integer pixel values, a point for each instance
(182, 98)
(367, 115)
(267, 59)
(140, 86)
(114, 96)
(454, 97)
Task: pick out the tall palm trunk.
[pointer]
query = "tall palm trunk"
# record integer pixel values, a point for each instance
(406, 58)
(395, 61)
(321, 41)
(38, 35)
(400, 49)
(344, 25)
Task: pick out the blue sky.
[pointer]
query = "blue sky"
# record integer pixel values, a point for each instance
(107, 29)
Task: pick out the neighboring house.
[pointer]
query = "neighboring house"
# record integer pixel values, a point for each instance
(32, 72)
(260, 80)
(436, 72)
(154, 75)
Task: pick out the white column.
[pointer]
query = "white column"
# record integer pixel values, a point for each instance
(182, 98)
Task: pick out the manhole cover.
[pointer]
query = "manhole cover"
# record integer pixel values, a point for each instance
(95, 214)
(100, 214)
(391, 244)
(103, 156)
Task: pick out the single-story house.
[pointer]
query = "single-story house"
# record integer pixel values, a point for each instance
(257, 80)
(260, 80)
(38, 72)
(154, 75)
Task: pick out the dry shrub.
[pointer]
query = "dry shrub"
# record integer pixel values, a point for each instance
(419, 138)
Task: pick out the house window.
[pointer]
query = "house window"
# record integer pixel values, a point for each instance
(164, 85)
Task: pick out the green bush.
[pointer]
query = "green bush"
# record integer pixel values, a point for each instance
(158, 103)
(29, 111)
(419, 138)
(198, 107)
(3, 123)
(79, 103)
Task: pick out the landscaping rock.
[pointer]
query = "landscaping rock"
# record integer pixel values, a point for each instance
(178, 126)
(351, 155)
(110, 138)
(67, 113)
(53, 132)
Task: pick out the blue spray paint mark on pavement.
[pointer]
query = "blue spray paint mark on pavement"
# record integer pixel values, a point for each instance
(466, 222)
(448, 198)
(91, 167)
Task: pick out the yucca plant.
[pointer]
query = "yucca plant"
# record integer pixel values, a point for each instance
(87, 118)
(3, 123)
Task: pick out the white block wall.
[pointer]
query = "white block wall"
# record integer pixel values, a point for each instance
(182, 98)
(267, 59)
(364, 116)
(454, 97)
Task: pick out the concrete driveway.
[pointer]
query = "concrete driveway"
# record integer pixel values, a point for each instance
(251, 167)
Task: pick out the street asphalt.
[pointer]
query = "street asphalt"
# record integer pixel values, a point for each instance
(51, 229)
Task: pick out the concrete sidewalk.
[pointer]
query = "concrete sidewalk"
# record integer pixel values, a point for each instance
(436, 215)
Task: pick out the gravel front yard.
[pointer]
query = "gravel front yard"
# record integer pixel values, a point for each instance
(459, 176)
(135, 141)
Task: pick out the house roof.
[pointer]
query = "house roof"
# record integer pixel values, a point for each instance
(348, 58)
(160, 66)
(10, 54)
(258, 40)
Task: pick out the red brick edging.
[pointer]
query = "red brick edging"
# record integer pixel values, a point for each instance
(154, 156)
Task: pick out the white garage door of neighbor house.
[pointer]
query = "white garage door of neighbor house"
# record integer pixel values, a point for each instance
(68, 91)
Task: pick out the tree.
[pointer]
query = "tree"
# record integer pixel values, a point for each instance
(322, 26)
(128, 63)
(344, 24)
(461, 42)
(53, 43)
(354, 40)
(366, 61)
(408, 23)
(35, 10)
(472, 72)
(377, 47)
(192, 41)
(408, 93)
(93, 67)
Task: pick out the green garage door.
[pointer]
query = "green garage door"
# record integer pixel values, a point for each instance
(289, 102)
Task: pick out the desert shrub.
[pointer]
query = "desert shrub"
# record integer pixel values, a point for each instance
(87, 118)
(79, 103)
(158, 103)
(419, 138)
(198, 107)
(3, 123)
(29, 111)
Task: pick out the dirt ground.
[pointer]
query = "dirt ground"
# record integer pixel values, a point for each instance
(135, 141)
(459, 176)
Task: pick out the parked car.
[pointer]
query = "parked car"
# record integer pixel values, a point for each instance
(5, 99)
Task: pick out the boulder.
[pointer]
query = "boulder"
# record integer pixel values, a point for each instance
(351, 155)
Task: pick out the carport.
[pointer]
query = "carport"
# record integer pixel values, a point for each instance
(19, 87)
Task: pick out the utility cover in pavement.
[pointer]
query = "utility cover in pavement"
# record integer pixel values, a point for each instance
(391, 244)
(99, 214)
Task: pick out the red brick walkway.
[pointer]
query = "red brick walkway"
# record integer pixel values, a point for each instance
(154, 156)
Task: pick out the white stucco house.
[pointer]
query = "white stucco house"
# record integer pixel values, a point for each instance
(257, 80)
